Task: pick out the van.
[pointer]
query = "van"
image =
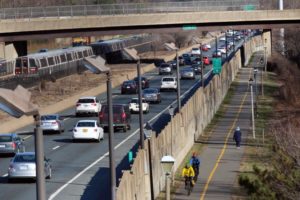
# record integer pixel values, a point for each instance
(121, 117)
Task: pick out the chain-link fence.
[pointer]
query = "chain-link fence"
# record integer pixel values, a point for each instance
(127, 8)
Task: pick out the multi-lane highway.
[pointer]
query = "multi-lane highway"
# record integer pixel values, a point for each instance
(81, 169)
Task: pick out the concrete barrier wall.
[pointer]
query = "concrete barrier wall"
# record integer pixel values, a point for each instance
(177, 137)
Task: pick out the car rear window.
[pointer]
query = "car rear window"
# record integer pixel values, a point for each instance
(168, 79)
(116, 109)
(134, 101)
(164, 65)
(48, 117)
(86, 101)
(86, 124)
(128, 83)
(5, 138)
(150, 91)
(24, 158)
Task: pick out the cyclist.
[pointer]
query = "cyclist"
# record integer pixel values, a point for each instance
(195, 162)
(188, 174)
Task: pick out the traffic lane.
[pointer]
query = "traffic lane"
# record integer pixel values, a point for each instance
(66, 142)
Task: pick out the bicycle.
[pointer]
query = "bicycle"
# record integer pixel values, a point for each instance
(196, 170)
(188, 184)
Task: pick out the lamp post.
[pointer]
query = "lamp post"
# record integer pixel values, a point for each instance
(97, 66)
(255, 71)
(172, 47)
(226, 44)
(17, 103)
(202, 66)
(167, 163)
(171, 112)
(148, 133)
(252, 107)
(131, 54)
(216, 43)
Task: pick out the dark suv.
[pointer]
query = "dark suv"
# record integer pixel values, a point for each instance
(129, 87)
(121, 117)
(145, 82)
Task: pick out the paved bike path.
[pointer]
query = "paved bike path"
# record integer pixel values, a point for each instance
(220, 159)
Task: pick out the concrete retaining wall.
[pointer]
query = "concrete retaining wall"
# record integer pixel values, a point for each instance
(177, 137)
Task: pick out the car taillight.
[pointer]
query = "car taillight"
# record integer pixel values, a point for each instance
(74, 130)
(78, 104)
(101, 115)
(54, 122)
(13, 145)
(94, 104)
(95, 130)
(123, 115)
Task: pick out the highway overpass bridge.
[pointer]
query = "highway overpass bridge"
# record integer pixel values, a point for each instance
(21, 24)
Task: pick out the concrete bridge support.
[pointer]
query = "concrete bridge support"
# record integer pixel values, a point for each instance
(8, 51)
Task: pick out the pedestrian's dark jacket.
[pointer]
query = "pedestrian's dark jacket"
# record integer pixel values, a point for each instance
(237, 136)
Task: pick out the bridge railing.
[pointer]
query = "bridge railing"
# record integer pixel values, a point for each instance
(128, 8)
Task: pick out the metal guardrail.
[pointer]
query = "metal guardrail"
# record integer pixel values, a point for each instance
(128, 8)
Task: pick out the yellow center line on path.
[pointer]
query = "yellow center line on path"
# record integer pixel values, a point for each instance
(224, 147)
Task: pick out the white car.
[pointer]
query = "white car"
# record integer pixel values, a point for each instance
(88, 105)
(134, 105)
(222, 50)
(88, 129)
(196, 51)
(168, 83)
(222, 39)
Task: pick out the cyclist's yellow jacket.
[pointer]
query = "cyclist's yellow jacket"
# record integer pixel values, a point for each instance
(189, 172)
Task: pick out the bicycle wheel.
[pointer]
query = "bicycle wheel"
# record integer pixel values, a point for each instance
(188, 188)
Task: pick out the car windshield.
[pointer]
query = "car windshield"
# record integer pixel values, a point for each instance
(24, 158)
(49, 117)
(86, 101)
(5, 138)
(164, 65)
(150, 91)
(168, 79)
(86, 124)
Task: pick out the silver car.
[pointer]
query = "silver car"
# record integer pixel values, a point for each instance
(165, 68)
(187, 73)
(152, 95)
(11, 143)
(23, 166)
(52, 123)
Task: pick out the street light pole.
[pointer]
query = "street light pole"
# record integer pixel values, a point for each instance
(148, 133)
(141, 118)
(39, 154)
(216, 43)
(111, 138)
(226, 44)
(202, 66)
(252, 107)
(178, 82)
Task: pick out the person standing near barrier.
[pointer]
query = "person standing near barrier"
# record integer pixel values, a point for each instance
(237, 137)
(195, 162)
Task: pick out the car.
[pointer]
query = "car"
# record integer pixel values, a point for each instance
(168, 83)
(165, 68)
(88, 129)
(222, 39)
(173, 63)
(23, 166)
(197, 61)
(187, 73)
(52, 123)
(206, 47)
(181, 61)
(43, 50)
(222, 49)
(87, 105)
(206, 60)
(145, 82)
(129, 87)
(217, 54)
(197, 68)
(134, 105)
(187, 58)
(121, 118)
(152, 95)
(11, 143)
(196, 51)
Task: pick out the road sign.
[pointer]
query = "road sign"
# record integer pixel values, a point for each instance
(189, 27)
(217, 65)
(249, 7)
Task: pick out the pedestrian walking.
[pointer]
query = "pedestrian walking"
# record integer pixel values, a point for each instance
(237, 137)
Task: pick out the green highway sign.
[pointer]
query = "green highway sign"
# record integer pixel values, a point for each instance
(217, 65)
(249, 7)
(189, 27)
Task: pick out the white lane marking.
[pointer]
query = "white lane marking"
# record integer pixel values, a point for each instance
(25, 138)
(55, 147)
(53, 195)
(5, 175)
